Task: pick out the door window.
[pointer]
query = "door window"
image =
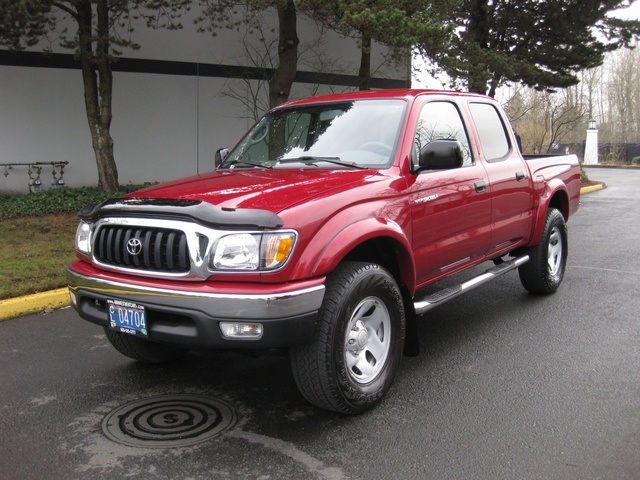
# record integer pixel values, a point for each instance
(441, 121)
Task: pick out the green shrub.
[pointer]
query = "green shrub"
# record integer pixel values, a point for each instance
(56, 200)
(635, 161)
(584, 178)
(612, 157)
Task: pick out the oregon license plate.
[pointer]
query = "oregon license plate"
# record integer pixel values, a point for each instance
(127, 317)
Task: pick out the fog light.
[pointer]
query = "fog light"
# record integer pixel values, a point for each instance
(238, 330)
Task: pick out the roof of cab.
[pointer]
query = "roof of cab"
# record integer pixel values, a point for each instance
(375, 94)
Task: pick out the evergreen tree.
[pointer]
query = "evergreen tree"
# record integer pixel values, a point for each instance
(540, 43)
(398, 24)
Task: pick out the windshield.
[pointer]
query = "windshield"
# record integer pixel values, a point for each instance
(355, 134)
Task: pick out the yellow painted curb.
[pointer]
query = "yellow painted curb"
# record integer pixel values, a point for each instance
(592, 188)
(34, 303)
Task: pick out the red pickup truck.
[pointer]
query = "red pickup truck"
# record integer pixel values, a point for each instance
(319, 232)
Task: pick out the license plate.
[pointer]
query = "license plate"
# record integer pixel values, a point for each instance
(127, 317)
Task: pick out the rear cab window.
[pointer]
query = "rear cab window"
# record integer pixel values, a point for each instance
(492, 133)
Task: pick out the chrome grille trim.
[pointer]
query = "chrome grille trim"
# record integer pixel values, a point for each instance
(163, 250)
(170, 248)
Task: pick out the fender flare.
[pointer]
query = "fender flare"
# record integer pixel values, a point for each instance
(355, 234)
(554, 195)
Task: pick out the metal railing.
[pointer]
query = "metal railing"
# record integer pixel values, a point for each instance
(34, 170)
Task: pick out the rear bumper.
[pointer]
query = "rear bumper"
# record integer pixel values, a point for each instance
(191, 318)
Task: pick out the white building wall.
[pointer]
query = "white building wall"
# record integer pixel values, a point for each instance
(43, 119)
(164, 126)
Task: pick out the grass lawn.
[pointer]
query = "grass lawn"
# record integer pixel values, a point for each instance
(37, 236)
(34, 253)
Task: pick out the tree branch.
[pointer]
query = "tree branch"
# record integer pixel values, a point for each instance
(66, 9)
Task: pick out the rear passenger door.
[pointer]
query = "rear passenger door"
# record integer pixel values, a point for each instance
(450, 208)
(509, 186)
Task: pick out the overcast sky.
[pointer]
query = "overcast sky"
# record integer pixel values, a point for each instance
(631, 13)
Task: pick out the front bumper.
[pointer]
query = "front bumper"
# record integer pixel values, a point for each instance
(192, 318)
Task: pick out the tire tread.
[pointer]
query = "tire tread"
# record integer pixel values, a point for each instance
(534, 275)
(311, 364)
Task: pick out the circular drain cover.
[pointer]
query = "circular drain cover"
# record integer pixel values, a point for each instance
(168, 421)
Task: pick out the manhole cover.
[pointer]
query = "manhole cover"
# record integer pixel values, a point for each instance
(168, 421)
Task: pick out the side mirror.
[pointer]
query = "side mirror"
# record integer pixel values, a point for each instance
(221, 154)
(440, 155)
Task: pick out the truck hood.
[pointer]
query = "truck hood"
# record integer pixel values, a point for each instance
(273, 190)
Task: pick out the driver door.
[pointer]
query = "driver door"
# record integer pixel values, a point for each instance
(451, 209)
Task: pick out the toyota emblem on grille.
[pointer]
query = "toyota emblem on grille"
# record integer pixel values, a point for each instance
(134, 246)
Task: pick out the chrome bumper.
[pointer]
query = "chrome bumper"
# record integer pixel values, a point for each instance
(192, 318)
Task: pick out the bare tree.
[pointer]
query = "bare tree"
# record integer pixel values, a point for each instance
(565, 114)
(544, 118)
(623, 92)
(260, 44)
(609, 94)
(218, 14)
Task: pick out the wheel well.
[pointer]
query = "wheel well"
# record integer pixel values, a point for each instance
(382, 251)
(560, 201)
(386, 253)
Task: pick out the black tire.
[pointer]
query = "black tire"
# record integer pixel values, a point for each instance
(143, 350)
(357, 344)
(544, 272)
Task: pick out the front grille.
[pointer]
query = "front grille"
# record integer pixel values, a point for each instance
(161, 250)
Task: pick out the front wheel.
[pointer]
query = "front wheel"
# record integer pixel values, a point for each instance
(357, 343)
(544, 272)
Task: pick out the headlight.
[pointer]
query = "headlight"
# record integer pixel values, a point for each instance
(236, 252)
(252, 252)
(83, 238)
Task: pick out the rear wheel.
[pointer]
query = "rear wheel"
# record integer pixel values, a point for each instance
(357, 344)
(143, 350)
(544, 272)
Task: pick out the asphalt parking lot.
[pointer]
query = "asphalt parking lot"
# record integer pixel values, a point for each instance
(508, 386)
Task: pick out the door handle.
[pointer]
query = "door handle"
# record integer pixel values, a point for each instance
(480, 187)
(520, 176)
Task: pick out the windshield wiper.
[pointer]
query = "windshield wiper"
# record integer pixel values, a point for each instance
(312, 160)
(246, 162)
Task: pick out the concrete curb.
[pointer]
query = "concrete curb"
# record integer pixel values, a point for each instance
(592, 188)
(37, 302)
(60, 298)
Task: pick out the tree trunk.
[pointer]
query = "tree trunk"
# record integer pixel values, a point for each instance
(364, 74)
(98, 82)
(478, 35)
(493, 88)
(285, 73)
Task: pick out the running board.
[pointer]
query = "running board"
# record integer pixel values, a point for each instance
(450, 293)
